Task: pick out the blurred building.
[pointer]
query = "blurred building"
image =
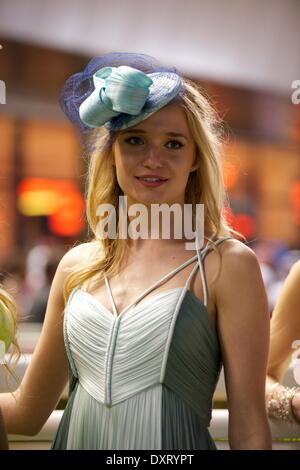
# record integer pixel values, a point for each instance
(42, 168)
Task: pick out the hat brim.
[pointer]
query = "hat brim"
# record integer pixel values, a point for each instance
(165, 87)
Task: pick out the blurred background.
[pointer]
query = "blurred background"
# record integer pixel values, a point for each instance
(245, 54)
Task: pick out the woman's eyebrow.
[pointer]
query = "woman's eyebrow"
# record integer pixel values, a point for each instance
(133, 131)
(142, 131)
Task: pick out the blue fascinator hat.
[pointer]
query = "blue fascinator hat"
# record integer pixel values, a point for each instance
(118, 90)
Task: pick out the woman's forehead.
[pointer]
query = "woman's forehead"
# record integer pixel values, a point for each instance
(171, 118)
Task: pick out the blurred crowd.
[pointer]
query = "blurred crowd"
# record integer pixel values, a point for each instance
(27, 276)
(276, 260)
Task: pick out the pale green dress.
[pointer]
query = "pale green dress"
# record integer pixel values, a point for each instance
(144, 378)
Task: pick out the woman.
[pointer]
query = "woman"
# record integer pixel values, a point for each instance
(144, 373)
(283, 403)
(7, 337)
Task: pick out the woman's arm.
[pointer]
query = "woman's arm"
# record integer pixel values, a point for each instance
(3, 436)
(26, 411)
(285, 325)
(285, 329)
(243, 323)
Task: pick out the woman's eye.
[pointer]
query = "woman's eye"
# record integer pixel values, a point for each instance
(134, 141)
(174, 144)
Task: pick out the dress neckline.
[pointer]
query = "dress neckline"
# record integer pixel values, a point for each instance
(153, 298)
(146, 291)
(200, 256)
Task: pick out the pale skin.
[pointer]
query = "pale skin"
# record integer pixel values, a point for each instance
(237, 300)
(285, 329)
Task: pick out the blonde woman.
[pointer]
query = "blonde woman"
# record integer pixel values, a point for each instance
(145, 323)
(283, 403)
(7, 338)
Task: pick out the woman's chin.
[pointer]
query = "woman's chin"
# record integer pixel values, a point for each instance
(149, 197)
(149, 200)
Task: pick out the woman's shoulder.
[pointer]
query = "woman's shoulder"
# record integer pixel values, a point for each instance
(295, 271)
(239, 284)
(78, 254)
(234, 249)
(290, 291)
(237, 259)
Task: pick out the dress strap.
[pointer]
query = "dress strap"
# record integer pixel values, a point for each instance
(111, 296)
(208, 248)
(201, 254)
(202, 275)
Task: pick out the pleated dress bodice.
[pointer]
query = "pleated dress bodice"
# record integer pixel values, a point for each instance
(144, 378)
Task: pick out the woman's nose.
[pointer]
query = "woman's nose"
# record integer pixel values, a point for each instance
(153, 156)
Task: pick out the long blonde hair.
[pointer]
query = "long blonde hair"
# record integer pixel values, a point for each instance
(7, 301)
(204, 186)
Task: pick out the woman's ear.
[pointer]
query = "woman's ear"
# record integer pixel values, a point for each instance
(196, 163)
(195, 167)
(113, 161)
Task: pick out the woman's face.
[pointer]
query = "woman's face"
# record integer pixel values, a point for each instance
(161, 147)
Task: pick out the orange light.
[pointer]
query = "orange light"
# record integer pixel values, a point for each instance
(230, 175)
(295, 193)
(68, 221)
(60, 200)
(36, 203)
(242, 223)
(294, 196)
(45, 184)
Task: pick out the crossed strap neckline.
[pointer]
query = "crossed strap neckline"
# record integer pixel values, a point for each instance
(202, 253)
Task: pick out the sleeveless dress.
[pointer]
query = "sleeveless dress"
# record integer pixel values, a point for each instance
(144, 378)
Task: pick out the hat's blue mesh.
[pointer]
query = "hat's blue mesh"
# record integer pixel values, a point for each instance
(80, 85)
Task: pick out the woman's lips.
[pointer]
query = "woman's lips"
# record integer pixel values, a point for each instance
(151, 183)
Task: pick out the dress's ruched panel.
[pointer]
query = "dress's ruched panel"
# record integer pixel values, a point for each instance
(88, 336)
(194, 360)
(131, 424)
(181, 427)
(140, 348)
(116, 358)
